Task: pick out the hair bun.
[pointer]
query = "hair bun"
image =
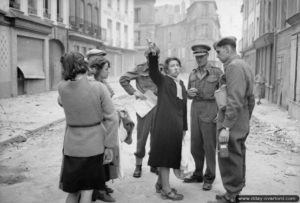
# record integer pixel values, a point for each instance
(62, 58)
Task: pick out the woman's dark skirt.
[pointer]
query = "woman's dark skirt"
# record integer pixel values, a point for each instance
(82, 173)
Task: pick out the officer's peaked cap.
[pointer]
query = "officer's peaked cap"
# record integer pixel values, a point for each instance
(200, 49)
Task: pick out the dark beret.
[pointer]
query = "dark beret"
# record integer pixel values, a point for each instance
(225, 41)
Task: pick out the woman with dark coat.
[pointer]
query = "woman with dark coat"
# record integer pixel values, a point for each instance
(170, 123)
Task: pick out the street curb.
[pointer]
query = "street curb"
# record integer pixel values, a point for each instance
(23, 137)
(28, 134)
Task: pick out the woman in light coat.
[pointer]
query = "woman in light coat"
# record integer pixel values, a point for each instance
(91, 130)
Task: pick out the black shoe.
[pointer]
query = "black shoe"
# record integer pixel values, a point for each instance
(207, 186)
(138, 171)
(171, 195)
(193, 179)
(102, 195)
(154, 170)
(108, 189)
(219, 196)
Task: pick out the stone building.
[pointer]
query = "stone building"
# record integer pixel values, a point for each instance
(144, 27)
(33, 37)
(103, 24)
(117, 21)
(251, 19)
(200, 26)
(274, 51)
(85, 31)
(170, 14)
(35, 33)
(287, 44)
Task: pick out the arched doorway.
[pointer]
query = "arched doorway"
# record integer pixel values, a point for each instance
(21, 82)
(56, 50)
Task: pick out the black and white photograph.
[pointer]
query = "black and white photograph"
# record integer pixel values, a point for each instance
(149, 101)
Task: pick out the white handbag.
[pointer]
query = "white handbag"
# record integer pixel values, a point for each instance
(187, 164)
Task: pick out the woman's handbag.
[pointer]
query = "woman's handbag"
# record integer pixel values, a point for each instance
(187, 164)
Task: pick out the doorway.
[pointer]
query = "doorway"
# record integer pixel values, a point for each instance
(56, 50)
(21, 82)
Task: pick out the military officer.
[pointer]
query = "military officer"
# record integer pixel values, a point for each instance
(233, 121)
(203, 81)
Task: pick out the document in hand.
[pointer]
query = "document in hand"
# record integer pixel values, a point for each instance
(143, 107)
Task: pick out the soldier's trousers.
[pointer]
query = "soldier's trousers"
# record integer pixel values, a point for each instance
(203, 141)
(233, 168)
(144, 126)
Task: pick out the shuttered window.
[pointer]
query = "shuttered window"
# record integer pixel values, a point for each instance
(31, 57)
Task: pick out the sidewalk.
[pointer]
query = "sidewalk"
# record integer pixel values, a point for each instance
(279, 120)
(23, 115)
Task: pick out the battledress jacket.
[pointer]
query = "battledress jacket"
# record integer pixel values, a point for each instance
(240, 98)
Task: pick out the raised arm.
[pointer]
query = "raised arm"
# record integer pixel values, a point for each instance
(154, 72)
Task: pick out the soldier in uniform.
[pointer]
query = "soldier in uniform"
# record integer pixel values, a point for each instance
(203, 81)
(233, 120)
(144, 124)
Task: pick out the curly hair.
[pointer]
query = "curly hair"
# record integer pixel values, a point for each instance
(168, 60)
(98, 63)
(73, 64)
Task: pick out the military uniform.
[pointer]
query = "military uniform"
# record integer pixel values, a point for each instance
(235, 117)
(143, 83)
(203, 114)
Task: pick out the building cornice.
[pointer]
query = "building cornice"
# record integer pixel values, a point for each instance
(248, 48)
(84, 38)
(19, 20)
(4, 20)
(202, 1)
(141, 47)
(264, 40)
(295, 19)
(118, 49)
(145, 24)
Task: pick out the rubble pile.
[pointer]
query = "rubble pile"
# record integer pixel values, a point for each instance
(272, 136)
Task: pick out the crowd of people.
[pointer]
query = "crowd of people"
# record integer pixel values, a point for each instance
(91, 136)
